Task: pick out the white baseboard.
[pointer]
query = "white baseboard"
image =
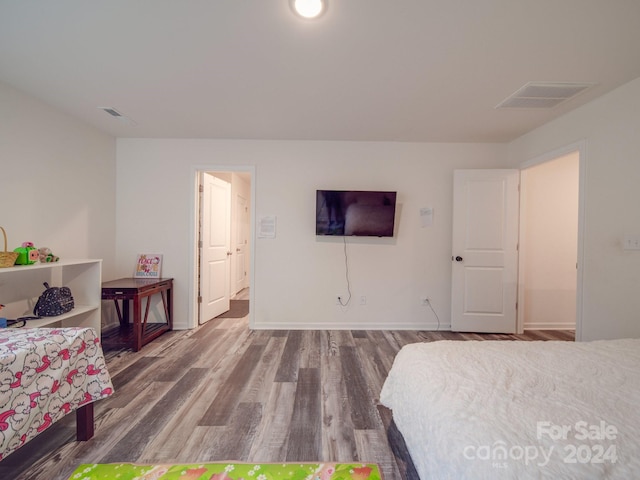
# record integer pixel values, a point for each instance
(549, 326)
(348, 326)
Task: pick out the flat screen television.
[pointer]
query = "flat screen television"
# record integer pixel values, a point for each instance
(355, 212)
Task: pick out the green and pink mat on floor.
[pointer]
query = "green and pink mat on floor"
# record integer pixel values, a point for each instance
(228, 471)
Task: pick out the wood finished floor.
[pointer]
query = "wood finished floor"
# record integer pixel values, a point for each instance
(224, 392)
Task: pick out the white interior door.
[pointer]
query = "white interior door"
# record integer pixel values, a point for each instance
(242, 241)
(215, 242)
(485, 256)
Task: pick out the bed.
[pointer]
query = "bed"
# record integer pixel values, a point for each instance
(517, 409)
(45, 374)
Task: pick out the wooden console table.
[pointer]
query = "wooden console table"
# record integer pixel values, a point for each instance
(139, 332)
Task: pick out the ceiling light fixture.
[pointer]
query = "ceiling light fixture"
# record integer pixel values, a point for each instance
(309, 8)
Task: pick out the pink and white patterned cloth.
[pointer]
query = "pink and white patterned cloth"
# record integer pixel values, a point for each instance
(46, 373)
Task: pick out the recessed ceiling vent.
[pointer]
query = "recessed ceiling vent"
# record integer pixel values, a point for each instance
(543, 94)
(116, 114)
(111, 111)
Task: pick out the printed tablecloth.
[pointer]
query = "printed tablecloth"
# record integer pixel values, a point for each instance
(46, 373)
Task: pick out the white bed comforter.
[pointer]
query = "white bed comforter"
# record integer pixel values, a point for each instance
(501, 409)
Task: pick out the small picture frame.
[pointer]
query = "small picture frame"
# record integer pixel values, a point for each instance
(148, 265)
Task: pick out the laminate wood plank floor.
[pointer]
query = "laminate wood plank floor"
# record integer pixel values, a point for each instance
(225, 392)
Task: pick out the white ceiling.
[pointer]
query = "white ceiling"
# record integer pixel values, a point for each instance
(369, 70)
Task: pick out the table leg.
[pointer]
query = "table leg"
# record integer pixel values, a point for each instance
(166, 303)
(146, 315)
(123, 323)
(125, 311)
(84, 422)
(170, 308)
(137, 326)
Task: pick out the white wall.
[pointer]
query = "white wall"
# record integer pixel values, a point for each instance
(297, 275)
(549, 243)
(57, 181)
(610, 275)
(58, 188)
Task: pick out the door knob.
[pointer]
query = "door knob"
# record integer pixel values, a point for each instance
(229, 254)
(458, 258)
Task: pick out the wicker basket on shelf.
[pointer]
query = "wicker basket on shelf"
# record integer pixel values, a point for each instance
(7, 259)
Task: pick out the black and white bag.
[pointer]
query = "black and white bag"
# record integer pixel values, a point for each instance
(54, 301)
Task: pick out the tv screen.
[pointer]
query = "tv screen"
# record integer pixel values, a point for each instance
(354, 212)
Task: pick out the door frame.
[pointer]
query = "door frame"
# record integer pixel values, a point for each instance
(581, 148)
(193, 236)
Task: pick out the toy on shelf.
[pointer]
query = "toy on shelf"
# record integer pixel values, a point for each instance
(46, 256)
(27, 254)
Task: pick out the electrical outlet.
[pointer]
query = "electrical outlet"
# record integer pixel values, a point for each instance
(363, 300)
(631, 242)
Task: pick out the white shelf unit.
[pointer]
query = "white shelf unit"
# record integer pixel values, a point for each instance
(21, 285)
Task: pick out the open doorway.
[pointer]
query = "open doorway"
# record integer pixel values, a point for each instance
(549, 243)
(223, 250)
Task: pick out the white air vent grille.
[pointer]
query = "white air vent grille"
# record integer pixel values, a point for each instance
(111, 111)
(543, 94)
(116, 114)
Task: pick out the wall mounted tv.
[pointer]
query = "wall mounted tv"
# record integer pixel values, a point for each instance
(355, 212)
